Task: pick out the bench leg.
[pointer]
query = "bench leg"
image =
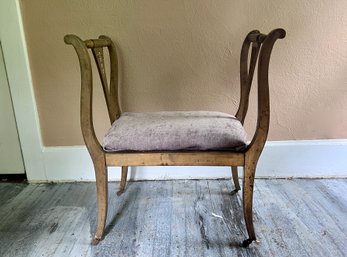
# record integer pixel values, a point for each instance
(235, 178)
(102, 196)
(123, 180)
(248, 183)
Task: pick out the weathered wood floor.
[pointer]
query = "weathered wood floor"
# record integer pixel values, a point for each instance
(175, 218)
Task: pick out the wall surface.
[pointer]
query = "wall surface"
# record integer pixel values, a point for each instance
(20, 84)
(184, 55)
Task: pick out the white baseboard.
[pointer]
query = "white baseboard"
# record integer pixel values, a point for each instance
(280, 159)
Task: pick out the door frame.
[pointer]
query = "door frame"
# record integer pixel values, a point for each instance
(21, 88)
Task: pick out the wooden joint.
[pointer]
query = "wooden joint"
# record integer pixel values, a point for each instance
(257, 37)
(92, 43)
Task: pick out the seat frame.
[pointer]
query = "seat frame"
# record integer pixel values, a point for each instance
(258, 45)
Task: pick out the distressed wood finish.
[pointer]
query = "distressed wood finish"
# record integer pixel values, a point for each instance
(175, 159)
(298, 217)
(261, 46)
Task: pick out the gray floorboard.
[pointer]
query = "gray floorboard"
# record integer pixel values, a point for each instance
(298, 217)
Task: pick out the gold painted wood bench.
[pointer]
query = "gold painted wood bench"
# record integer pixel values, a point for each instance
(137, 139)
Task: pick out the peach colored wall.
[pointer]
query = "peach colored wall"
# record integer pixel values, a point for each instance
(184, 55)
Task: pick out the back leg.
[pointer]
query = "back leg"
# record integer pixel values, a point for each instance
(123, 180)
(235, 178)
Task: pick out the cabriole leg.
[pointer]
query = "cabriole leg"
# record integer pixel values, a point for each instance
(123, 180)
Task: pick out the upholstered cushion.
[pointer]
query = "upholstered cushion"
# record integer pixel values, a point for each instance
(170, 131)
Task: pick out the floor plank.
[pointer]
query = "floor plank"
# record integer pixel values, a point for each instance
(299, 217)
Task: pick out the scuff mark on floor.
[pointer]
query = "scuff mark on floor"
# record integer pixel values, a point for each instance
(53, 228)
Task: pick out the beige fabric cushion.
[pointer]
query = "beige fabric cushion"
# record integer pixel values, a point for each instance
(170, 131)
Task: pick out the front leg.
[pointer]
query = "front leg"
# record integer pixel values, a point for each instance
(102, 196)
(248, 185)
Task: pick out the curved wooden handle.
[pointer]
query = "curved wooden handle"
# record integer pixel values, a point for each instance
(86, 118)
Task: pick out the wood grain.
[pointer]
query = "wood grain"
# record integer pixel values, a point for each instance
(175, 159)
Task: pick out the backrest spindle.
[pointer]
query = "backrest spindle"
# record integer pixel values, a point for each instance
(246, 74)
(110, 92)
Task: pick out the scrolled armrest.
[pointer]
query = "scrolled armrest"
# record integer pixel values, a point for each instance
(263, 119)
(86, 113)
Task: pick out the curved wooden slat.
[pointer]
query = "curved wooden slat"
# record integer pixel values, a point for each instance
(246, 73)
(113, 103)
(98, 53)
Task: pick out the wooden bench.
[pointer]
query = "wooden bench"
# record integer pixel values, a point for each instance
(137, 139)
